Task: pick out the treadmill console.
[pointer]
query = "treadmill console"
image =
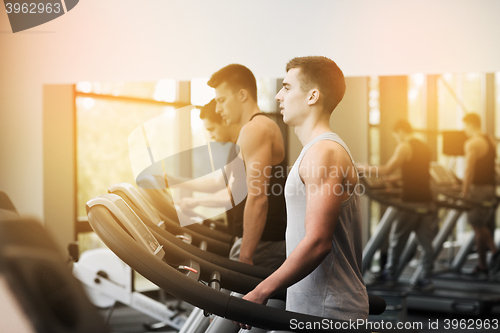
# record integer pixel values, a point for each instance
(129, 221)
(373, 182)
(442, 176)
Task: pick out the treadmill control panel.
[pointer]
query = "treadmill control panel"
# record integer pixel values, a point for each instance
(443, 176)
(129, 221)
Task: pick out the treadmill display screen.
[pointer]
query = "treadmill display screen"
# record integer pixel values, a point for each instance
(139, 229)
(442, 176)
(453, 143)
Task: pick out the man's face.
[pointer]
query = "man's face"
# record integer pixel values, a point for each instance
(228, 105)
(398, 136)
(468, 129)
(293, 100)
(218, 132)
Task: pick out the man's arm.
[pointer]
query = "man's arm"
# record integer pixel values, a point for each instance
(218, 199)
(401, 154)
(322, 212)
(470, 162)
(256, 148)
(209, 185)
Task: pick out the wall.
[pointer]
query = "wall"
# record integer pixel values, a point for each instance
(350, 122)
(148, 40)
(350, 118)
(393, 107)
(59, 169)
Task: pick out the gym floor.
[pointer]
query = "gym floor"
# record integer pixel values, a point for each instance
(123, 319)
(127, 320)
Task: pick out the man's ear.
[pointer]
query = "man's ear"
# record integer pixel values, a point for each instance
(313, 97)
(242, 95)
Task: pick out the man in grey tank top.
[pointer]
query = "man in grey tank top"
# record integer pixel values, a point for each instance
(323, 238)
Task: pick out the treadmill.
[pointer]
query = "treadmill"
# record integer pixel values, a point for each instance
(162, 201)
(141, 205)
(132, 197)
(180, 274)
(379, 191)
(455, 293)
(389, 195)
(151, 219)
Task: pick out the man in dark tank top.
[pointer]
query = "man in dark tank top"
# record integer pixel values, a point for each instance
(412, 157)
(479, 185)
(259, 222)
(270, 251)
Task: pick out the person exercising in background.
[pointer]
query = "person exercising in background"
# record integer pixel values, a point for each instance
(220, 132)
(322, 272)
(413, 157)
(479, 185)
(261, 232)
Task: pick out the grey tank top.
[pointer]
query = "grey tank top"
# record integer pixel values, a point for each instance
(335, 289)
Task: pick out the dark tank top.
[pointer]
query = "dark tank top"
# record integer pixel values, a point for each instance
(415, 173)
(276, 213)
(484, 170)
(233, 153)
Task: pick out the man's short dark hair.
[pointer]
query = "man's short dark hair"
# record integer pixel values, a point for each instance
(402, 125)
(473, 119)
(208, 112)
(237, 77)
(321, 73)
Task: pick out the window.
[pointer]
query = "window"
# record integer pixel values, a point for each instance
(417, 115)
(374, 140)
(374, 120)
(458, 94)
(103, 127)
(497, 111)
(201, 93)
(106, 113)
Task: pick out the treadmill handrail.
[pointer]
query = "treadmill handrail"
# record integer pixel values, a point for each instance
(117, 212)
(414, 207)
(199, 295)
(256, 271)
(470, 201)
(453, 205)
(377, 304)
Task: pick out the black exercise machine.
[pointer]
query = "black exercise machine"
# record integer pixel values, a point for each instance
(178, 273)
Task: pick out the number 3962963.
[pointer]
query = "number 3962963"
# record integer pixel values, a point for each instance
(33, 8)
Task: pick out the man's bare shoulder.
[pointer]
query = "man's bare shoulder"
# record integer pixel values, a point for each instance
(260, 128)
(476, 147)
(475, 143)
(404, 150)
(405, 145)
(260, 124)
(327, 153)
